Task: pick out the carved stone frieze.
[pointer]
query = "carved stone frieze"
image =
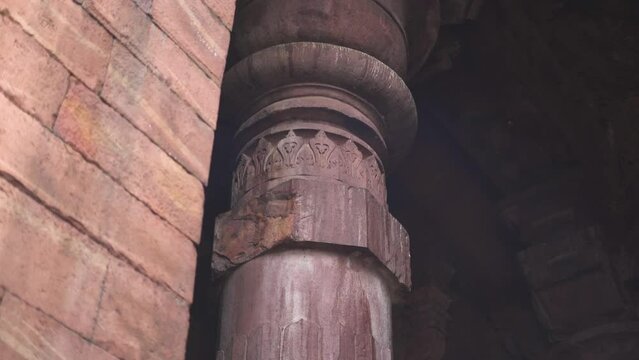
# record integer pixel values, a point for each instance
(305, 152)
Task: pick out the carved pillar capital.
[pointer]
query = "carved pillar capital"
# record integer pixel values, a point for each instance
(324, 84)
(324, 107)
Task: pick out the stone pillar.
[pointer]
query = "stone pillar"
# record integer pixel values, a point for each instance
(310, 255)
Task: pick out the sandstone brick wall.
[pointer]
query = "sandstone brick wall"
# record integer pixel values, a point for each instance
(108, 111)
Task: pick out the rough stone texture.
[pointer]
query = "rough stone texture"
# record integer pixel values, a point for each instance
(28, 75)
(103, 136)
(117, 176)
(61, 178)
(27, 333)
(224, 9)
(48, 262)
(136, 30)
(145, 5)
(155, 110)
(299, 211)
(353, 322)
(140, 320)
(196, 31)
(67, 31)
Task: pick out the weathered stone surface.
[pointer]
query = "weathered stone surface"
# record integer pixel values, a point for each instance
(103, 136)
(48, 262)
(32, 78)
(145, 5)
(139, 319)
(27, 333)
(136, 30)
(224, 9)
(155, 110)
(67, 31)
(272, 308)
(263, 23)
(309, 211)
(81, 192)
(196, 31)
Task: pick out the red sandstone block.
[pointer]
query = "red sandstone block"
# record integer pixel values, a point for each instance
(34, 80)
(66, 30)
(61, 178)
(224, 9)
(27, 333)
(48, 262)
(103, 136)
(136, 30)
(196, 31)
(144, 5)
(138, 319)
(154, 109)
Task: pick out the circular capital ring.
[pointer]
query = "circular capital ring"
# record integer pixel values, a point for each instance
(375, 84)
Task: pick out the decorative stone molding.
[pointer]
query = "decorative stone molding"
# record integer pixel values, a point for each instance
(368, 97)
(344, 23)
(306, 152)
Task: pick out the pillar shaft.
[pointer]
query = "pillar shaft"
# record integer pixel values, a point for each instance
(310, 255)
(307, 304)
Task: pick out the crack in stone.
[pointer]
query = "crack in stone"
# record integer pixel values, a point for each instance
(81, 228)
(99, 305)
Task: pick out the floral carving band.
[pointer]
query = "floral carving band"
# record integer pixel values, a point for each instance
(308, 152)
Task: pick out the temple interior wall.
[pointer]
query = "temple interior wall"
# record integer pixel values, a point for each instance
(108, 111)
